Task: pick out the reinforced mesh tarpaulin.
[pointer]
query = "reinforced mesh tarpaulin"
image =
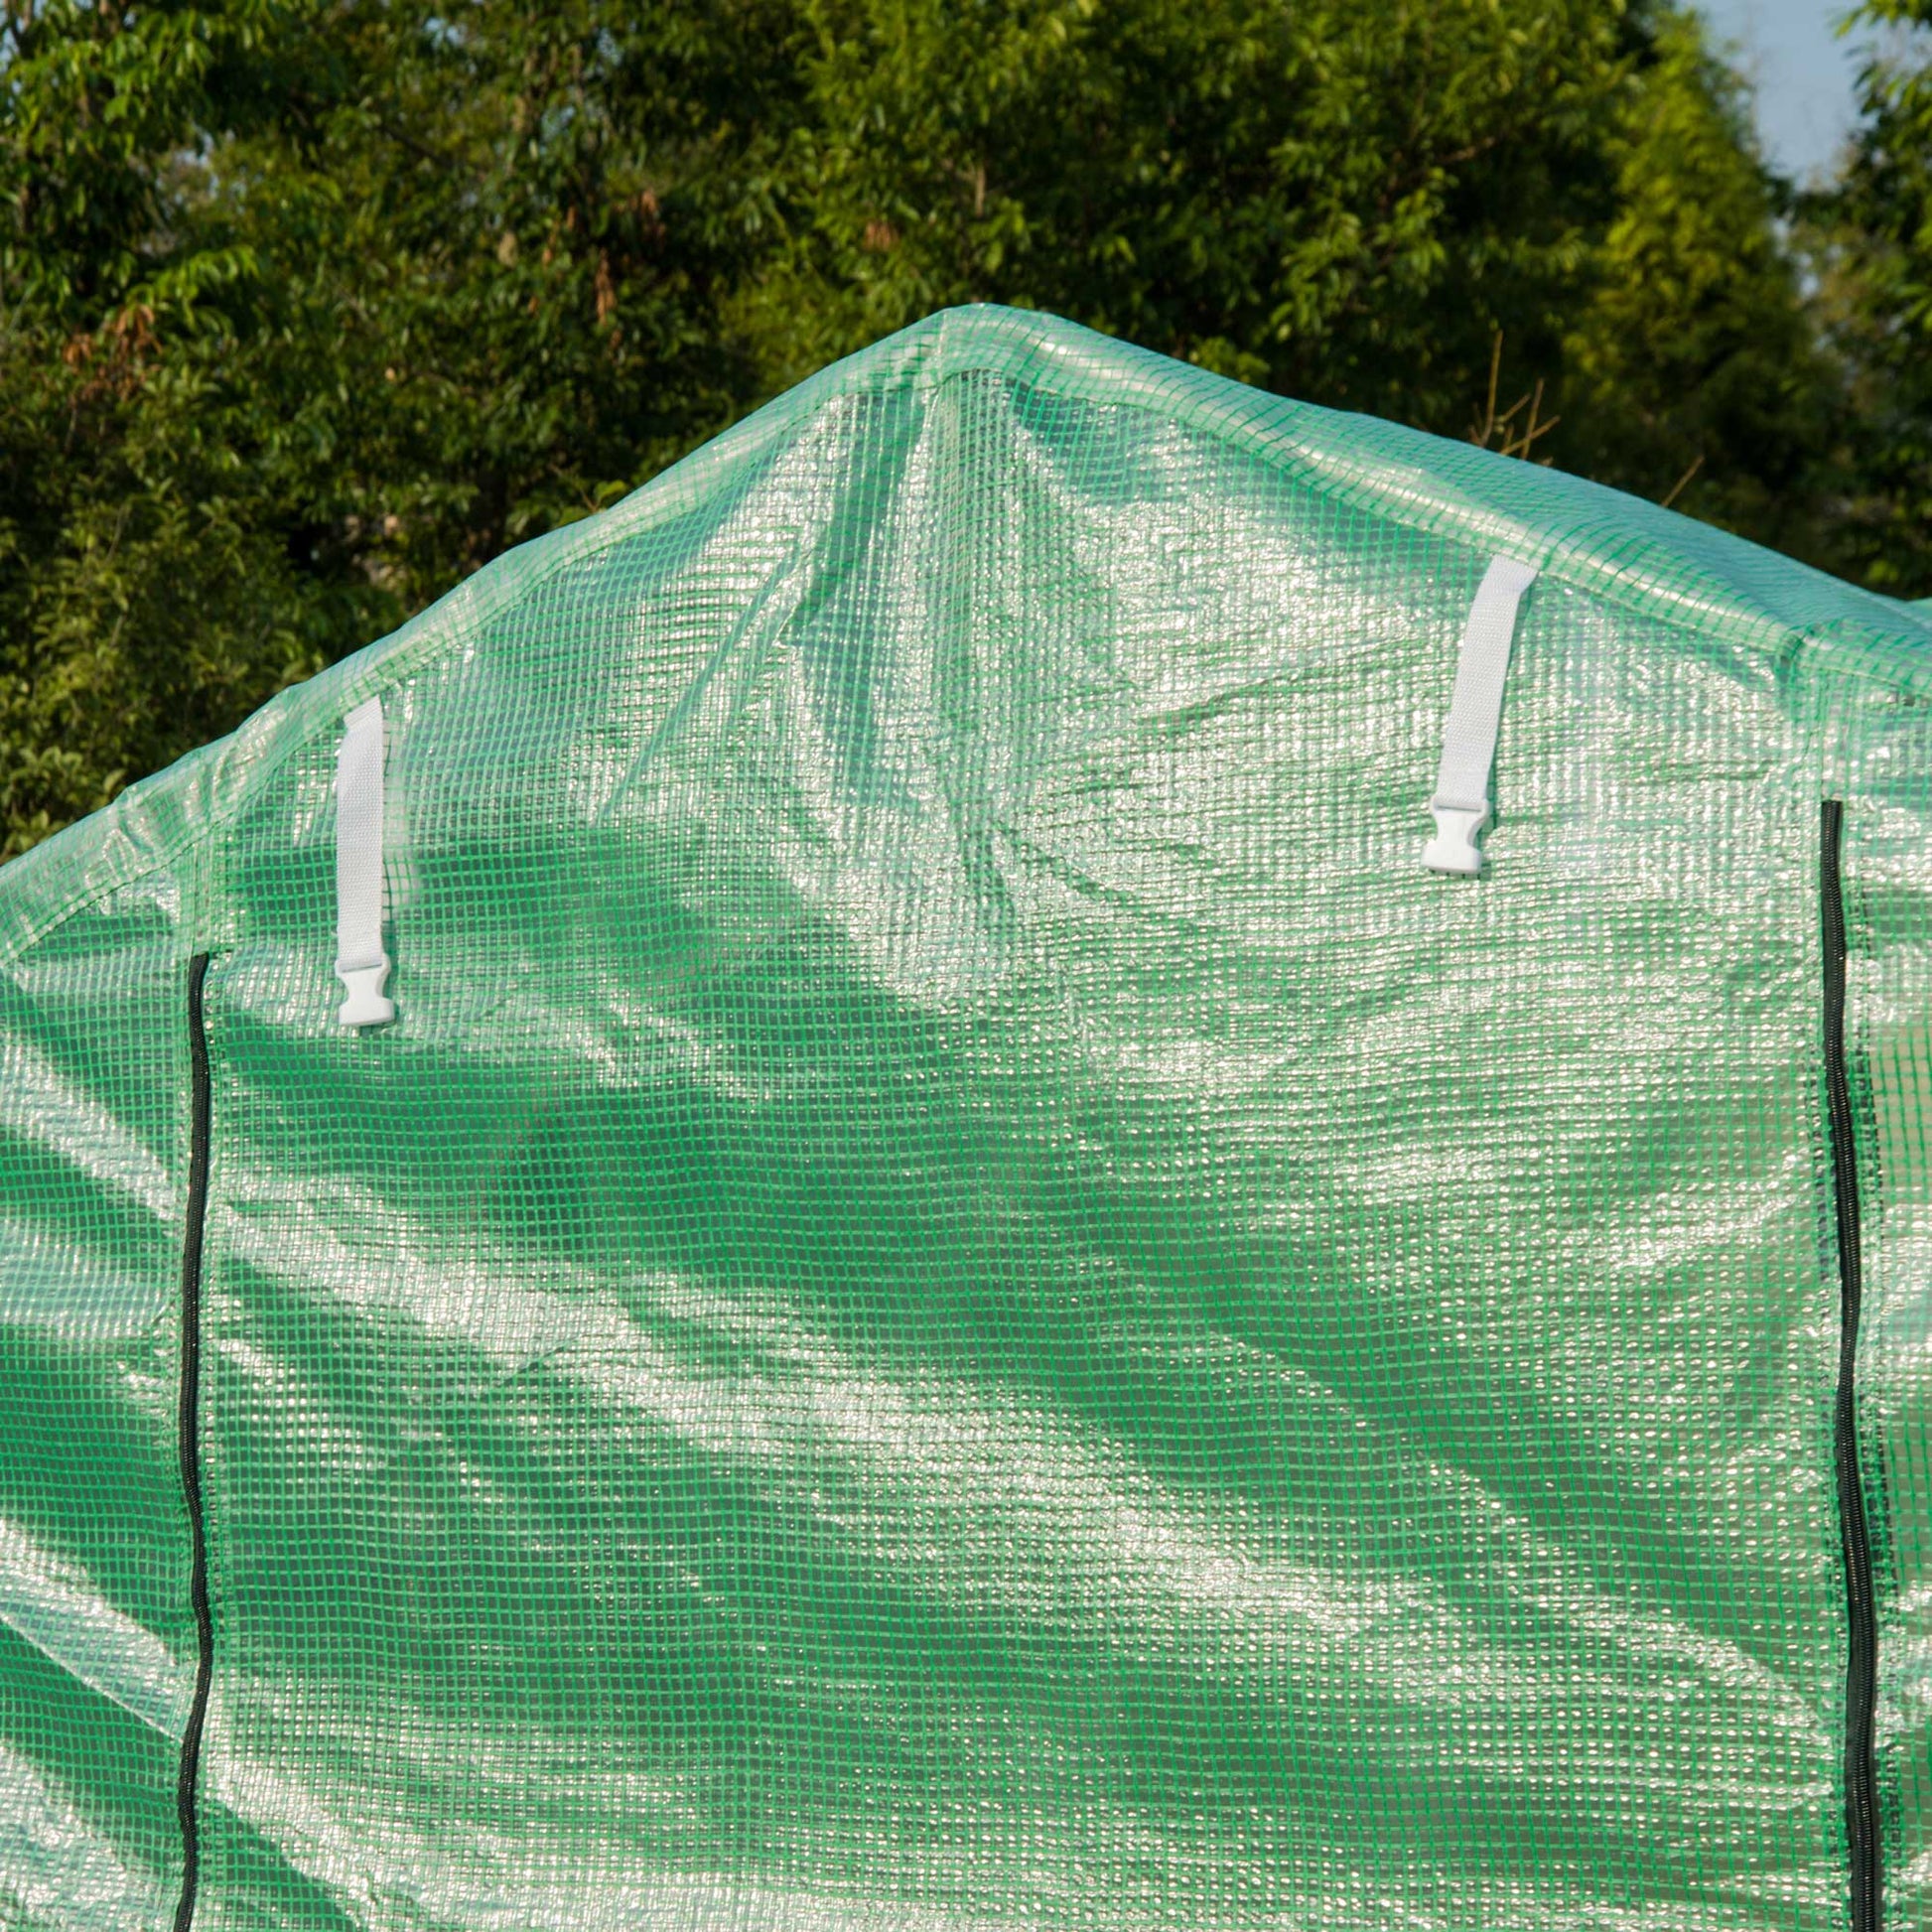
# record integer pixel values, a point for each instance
(961, 1295)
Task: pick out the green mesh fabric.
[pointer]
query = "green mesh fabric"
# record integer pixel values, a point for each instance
(961, 1296)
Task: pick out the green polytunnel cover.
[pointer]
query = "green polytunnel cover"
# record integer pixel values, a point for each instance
(809, 1216)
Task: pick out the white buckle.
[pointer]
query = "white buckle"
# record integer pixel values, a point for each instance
(366, 1005)
(1454, 848)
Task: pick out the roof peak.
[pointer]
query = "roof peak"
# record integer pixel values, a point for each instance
(1635, 554)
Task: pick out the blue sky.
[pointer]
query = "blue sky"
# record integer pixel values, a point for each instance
(1803, 73)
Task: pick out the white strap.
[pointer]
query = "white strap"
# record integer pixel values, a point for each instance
(361, 963)
(1461, 802)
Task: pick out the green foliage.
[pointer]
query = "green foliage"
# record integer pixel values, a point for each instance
(1355, 205)
(310, 307)
(1873, 237)
(1334, 200)
(141, 599)
(148, 601)
(310, 310)
(1694, 373)
(493, 243)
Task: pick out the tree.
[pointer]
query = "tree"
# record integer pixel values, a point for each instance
(1693, 373)
(494, 242)
(308, 307)
(1356, 204)
(137, 608)
(1873, 236)
(1337, 201)
(311, 309)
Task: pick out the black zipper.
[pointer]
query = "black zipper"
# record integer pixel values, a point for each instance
(1862, 1658)
(191, 1454)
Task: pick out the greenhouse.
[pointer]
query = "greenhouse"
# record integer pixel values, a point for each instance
(1059, 1148)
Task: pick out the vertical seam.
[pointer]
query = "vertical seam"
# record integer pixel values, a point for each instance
(190, 1440)
(1862, 1646)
